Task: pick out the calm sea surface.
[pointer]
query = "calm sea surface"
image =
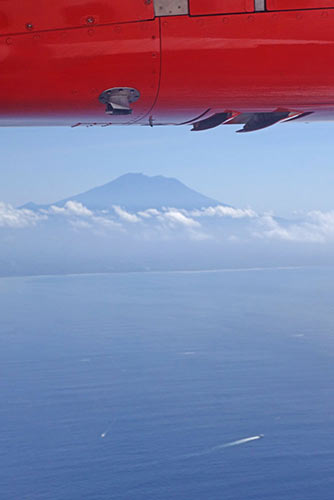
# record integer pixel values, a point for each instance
(144, 386)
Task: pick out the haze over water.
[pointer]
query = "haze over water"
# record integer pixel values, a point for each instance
(160, 385)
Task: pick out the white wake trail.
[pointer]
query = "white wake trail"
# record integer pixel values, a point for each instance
(225, 445)
(242, 441)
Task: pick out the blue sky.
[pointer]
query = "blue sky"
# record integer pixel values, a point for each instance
(285, 168)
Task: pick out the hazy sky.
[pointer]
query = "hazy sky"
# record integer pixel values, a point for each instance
(285, 168)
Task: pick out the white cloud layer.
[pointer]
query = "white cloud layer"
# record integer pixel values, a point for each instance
(222, 211)
(18, 218)
(217, 223)
(176, 217)
(71, 208)
(315, 227)
(124, 215)
(80, 217)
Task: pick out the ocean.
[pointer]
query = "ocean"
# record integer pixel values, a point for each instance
(183, 386)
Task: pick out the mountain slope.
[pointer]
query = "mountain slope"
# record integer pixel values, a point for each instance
(139, 192)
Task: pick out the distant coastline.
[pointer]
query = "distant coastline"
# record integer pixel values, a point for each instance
(168, 271)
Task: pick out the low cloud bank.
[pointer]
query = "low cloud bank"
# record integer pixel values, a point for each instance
(76, 238)
(18, 218)
(314, 227)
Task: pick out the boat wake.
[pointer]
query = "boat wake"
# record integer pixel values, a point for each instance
(243, 441)
(225, 445)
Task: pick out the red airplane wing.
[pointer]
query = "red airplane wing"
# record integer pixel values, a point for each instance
(97, 62)
(20, 16)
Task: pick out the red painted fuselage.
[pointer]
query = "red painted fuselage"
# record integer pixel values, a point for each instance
(220, 56)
